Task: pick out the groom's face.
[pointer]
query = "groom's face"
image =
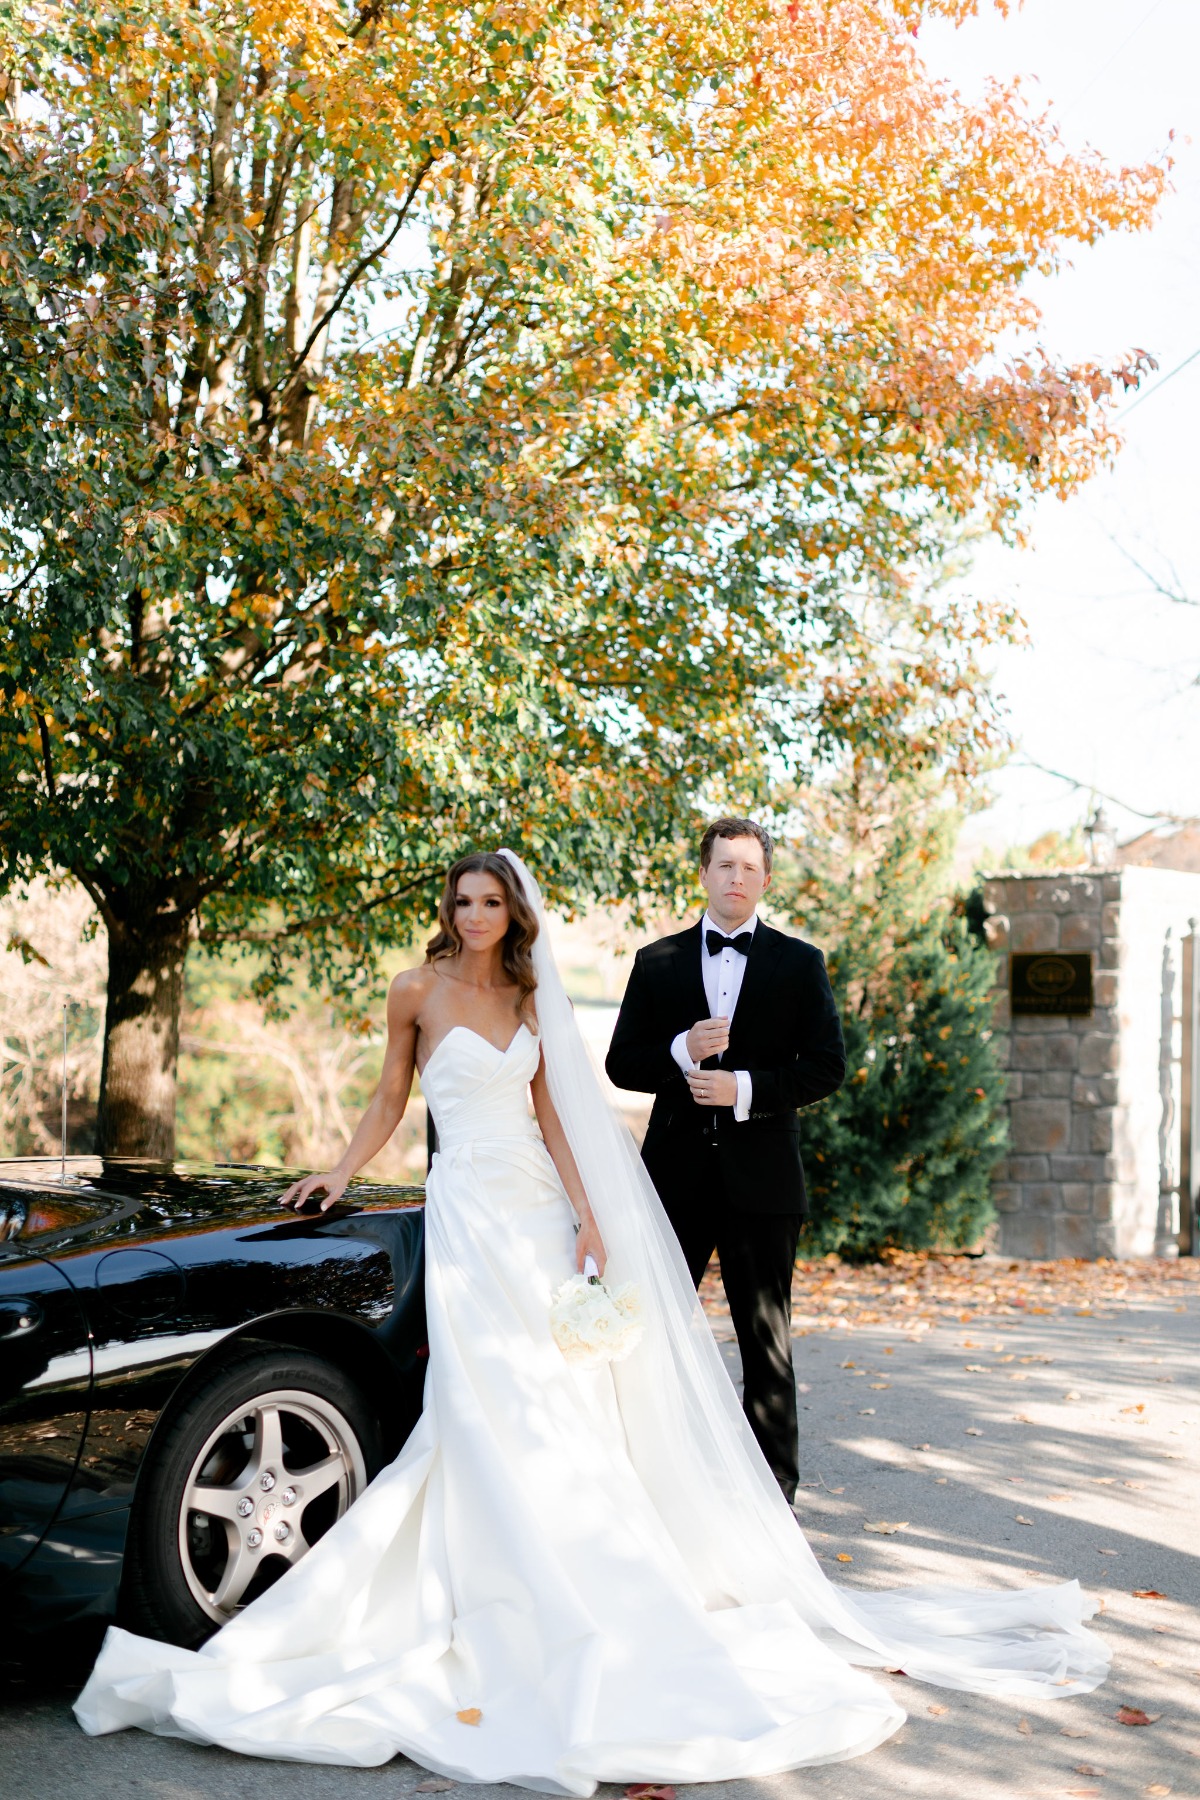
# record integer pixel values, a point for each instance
(735, 880)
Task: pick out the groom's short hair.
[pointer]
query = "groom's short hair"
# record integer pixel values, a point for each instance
(736, 828)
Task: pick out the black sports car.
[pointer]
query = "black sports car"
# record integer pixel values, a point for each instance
(194, 1384)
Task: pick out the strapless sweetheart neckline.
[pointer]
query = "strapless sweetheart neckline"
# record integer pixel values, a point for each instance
(471, 1032)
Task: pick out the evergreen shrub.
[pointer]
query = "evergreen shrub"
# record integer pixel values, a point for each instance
(902, 1156)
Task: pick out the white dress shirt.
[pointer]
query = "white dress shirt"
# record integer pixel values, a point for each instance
(722, 975)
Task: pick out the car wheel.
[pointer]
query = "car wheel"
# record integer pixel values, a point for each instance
(260, 1461)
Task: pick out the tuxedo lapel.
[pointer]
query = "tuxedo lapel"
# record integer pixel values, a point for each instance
(765, 948)
(688, 974)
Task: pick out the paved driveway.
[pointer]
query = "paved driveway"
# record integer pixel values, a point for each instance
(1012, 1447)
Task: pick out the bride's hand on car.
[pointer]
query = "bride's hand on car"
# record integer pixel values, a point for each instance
(302, 1191)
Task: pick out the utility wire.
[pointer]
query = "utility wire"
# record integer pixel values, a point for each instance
(1089, 787)
(1146, 393)
(1108, 63)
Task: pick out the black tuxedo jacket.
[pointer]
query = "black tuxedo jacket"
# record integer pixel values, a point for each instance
(785, 1031)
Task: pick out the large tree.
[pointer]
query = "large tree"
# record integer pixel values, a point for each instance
(430, 423)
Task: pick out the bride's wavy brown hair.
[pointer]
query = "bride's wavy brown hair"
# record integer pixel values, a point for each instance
(516, 950)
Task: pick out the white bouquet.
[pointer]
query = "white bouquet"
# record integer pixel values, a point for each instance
(592, 1324)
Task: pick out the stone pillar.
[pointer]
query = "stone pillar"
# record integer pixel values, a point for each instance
(1093, 1101)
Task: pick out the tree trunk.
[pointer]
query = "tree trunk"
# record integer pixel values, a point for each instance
(146, 958)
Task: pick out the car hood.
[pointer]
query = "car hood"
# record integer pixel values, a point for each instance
(167, 1197)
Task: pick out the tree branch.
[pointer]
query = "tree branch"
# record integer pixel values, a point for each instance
(361, 266)
(99, 900)
(12, 592)
(321, 921)
(1175, 593)
(47, 761)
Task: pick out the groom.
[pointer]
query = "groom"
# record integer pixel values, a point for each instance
(732, 1026)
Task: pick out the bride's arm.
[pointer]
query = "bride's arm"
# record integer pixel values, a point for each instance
(388, 1102)
(588, 1242)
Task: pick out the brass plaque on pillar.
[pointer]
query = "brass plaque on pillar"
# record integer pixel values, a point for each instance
(1050, 982)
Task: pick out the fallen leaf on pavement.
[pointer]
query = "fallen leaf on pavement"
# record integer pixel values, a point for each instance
(1024, 1727)
(886, 1530)
(470, 1715)
(1088, 1769)
(1072, 1395)
(649, 1790)
(1149, 1594)
(876, 1385)
(1133, 1484)
(1101, 1552)
(920, 1446)
(1014, 1478)
(1017, 1375)
(1021, 1519)
(973, 1431)
(842, 1557)
(1133, 1715)
(975, 1368)
(1105, 1480)
(437, 1784)
(1074, 1731)
(1140, 1407)
(1060, 1496)
(1156, 1788)
(1083, 1793)
(866, 1412)
(937, 1710)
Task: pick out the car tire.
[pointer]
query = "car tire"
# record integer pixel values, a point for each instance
(272, 1445)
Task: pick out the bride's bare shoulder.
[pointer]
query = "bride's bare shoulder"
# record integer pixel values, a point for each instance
(408, 994)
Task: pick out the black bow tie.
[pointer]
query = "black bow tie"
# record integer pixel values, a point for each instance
(716, 943)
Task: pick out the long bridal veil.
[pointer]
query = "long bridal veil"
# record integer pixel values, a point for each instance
(697, 1457)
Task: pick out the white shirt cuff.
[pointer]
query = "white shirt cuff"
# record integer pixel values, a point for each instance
(741, 1106)
(679, 1051)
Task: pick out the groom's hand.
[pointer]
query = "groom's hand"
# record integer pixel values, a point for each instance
(713, 1087)
(708, 1037)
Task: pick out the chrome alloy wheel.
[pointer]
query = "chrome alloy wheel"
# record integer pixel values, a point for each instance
(266, 1484)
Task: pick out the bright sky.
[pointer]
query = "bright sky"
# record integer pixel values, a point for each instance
(1107, 692)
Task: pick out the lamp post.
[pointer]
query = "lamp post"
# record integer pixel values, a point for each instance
(1101, 839)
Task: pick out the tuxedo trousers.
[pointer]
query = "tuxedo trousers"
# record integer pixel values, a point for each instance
(757, 1254)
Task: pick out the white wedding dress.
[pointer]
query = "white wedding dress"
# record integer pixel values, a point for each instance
(555, 1549)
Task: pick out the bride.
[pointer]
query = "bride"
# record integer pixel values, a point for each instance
(569, 1574)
